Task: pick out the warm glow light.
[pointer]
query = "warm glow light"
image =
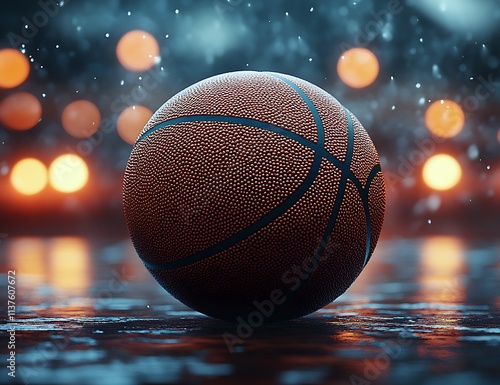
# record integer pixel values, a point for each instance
(63, 263)
(20, 111)
(131, 122)
(27, 254)
(29, 176)
(358, 67)
(444, 118)
(442, 263)
(14, 68)
(498, 135)
(137, 50)
(68, 173)
(69, 264)
(441, 172)
(81, 119)
(495, 181)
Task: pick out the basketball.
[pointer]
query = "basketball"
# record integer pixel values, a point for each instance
(254, 193)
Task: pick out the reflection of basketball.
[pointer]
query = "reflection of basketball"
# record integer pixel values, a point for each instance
(254, 193)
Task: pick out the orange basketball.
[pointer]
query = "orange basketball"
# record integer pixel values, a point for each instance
(254, 196)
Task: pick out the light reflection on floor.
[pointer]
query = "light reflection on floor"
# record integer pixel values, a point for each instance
(423, 311)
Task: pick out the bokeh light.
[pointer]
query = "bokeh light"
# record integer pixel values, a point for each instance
(137, 50)
(498, 135)
(131, 122)
(20, 111)
(68, 173)
(358, 67)
(444, 118)
(441, 172)
(14, 68)
(29, 176)
(81, 119)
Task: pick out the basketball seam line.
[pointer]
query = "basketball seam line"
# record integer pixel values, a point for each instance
(340, 192)
(257, 124)
(263, 221)
(318, 150)
(366, 206)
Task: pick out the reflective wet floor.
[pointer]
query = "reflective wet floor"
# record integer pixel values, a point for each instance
(424, 311)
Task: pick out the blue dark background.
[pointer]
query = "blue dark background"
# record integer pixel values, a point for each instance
(427, 51)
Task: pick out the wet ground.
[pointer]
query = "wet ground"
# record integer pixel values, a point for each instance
(424, 311)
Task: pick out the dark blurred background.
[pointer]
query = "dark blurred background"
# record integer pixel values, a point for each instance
(443, 54)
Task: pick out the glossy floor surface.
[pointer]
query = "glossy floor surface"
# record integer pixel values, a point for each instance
(424, 311)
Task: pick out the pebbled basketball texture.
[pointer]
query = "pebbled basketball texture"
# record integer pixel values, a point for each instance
(253, 188)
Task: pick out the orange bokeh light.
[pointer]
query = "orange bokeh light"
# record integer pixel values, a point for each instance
(68, 173)
(358, 67)
(14, 68)
(441, 172)
(498, 135)
(137, 50)
(444, 118)
(131, 122)
(81, 119)
(29, 176)
(20, 111)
